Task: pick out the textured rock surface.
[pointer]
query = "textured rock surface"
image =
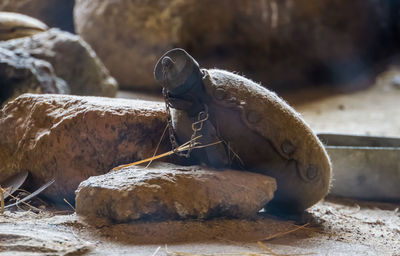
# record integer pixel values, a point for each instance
(21, 73)
(72, 138)
(133, 35)
(54, 13)
(166, 191)
(278, 42)
(72, 58)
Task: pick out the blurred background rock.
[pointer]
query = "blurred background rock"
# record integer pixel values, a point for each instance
(285, 44)
(54, 13)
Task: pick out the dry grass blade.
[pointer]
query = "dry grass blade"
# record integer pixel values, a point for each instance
(70, 205)
(35, 193)
(269, 250)
(20, 201)
(158, 145)
(143, 161)
(183, 147)
(2, 199)
(284, 233)
(156, 251)
(29, 193)
(169, 253)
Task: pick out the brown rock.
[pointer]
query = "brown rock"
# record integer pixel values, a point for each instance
(53, 13)
(20, 73)
(72, 138)
(166, 191)
(72, 58)
(133, 35)
(281, 42)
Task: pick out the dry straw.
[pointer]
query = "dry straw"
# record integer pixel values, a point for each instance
(184, 147)
(19, 200)
(2, 199)
(69, 204)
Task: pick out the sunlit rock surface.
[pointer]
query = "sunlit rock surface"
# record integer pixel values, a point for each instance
(166, 191)
(71, 138)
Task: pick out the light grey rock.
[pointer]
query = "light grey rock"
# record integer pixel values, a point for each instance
(166, 191)
(72, 58)
(54, 13)
(71, 138)
(21, 73)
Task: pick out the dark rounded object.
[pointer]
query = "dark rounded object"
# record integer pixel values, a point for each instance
(182, 72)
(261, 133)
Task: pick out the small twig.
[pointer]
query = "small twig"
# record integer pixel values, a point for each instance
(70, 205)
(35, 193)
(158, 145)
(156, 251)
(183, 147)
(2, 199)
(29, 193)
(20, 201)
(284, 233)
(234, 153)
(267, 248)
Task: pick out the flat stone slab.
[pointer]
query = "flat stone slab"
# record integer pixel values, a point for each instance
(166, 191)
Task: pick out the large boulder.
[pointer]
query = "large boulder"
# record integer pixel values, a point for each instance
(166, 191)
(21, 73)
(71, 138)
(281, 43)
(53, 13)
(128, 36)
(72, 58)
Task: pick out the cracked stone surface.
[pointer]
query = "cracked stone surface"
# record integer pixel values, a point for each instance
(71, 138)
(166, 191)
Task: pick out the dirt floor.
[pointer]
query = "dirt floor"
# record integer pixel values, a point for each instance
(337, 226)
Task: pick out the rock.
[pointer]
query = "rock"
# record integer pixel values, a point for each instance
(166, 191)
(396, 81)
(72, 58)
(72, 138)
(281, 43)
(15, 25)
(54, 13)
(133, 35)
(21, 73)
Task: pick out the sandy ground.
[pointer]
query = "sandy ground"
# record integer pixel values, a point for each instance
(373, 111)
(337, 227)
(340, 227)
